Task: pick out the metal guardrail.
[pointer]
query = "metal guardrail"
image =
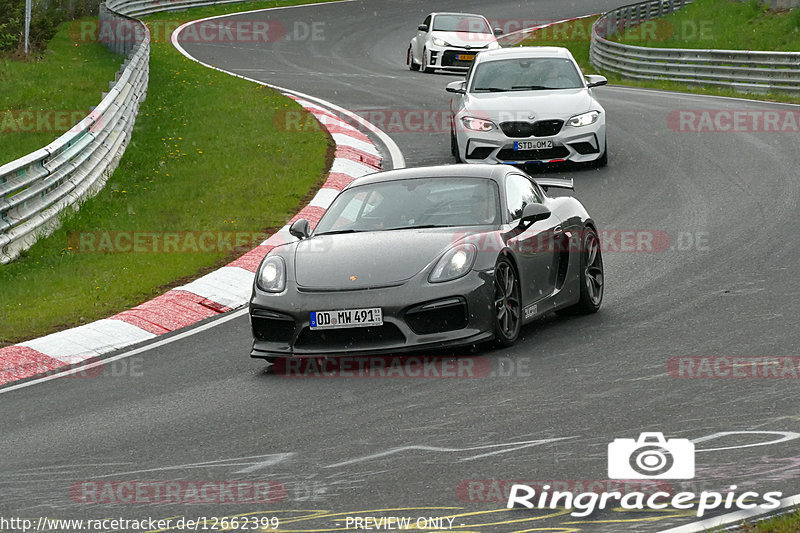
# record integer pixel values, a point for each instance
(35, 189)
(745, 71)
(136, 8)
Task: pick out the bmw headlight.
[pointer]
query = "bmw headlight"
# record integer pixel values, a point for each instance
(477, 124)
(455, 263)
(440, 42)
(585, 119)
(271, 276)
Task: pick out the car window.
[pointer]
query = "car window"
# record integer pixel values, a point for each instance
(412, 203)
(428, 21)
(461, 23)
(526, 74)
(355, 207)
(520, 191)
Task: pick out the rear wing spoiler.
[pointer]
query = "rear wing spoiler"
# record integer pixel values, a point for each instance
(546, 183)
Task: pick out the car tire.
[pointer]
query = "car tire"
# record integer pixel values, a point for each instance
(591, 278)
(410, 60)
(454, 147)
(425, 67)
(507, 303)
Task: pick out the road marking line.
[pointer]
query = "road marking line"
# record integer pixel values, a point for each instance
(784, 437)
(235, 461)
(274, 459)
(517, 446)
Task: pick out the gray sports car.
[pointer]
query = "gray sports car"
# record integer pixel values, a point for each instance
(426, 258)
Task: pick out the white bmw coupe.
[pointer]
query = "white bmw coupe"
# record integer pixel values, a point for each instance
(528, 105)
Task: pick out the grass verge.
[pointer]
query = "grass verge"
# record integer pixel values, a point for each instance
(723, 25)
(43, 98)
(576, 36)
(205, 155)
(788, 523)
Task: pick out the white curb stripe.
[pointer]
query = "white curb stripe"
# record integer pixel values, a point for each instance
(323, 198)
(229, 286)
(345, 140)
(282, 236)
(80, 343)
(351, 168)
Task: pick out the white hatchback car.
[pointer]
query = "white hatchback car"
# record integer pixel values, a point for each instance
(527, 105)
(450, 41)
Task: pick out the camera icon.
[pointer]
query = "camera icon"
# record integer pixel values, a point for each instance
(651, 457)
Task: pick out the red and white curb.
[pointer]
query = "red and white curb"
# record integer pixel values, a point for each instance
(218, 292)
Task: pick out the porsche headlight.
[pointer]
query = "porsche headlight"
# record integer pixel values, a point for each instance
(455, 263)
(440, 42)
(477, 124)
(272, 275)
(585, 119)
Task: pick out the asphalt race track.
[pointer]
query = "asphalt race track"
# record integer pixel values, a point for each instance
(722, 282)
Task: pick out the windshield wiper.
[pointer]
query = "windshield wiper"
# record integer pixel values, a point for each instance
(491, 89)
(423, 226)
(340, 231)
(530, 87)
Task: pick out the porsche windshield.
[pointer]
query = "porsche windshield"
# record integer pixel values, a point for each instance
(460, 23)
(413, 203)
(525, 74)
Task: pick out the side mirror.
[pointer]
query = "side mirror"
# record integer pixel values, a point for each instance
(498, 31)
(422, 27)
(300, 229)
(595, 80)
(534, 213)
(459, 87)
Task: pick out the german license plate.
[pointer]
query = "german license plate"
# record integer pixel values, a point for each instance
(532, 145)
(465, 57)
(347, 318)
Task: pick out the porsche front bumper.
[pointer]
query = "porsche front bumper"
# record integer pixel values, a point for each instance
(415, 316)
